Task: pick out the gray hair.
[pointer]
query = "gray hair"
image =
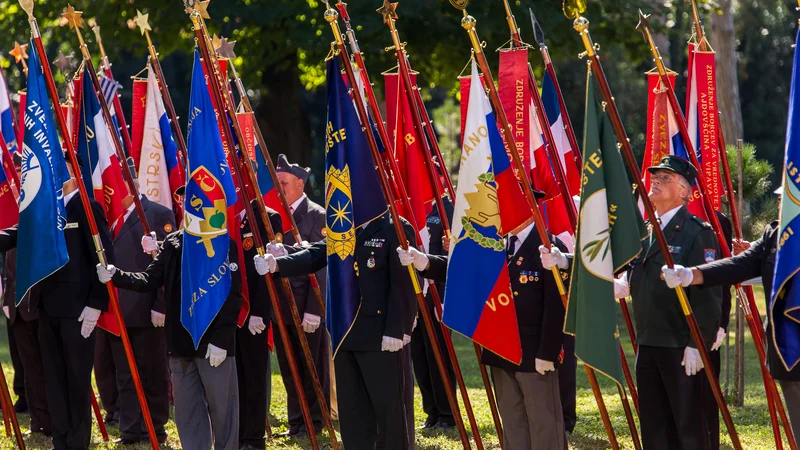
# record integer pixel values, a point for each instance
(685, 184)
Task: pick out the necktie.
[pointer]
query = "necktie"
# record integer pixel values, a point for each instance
(512, 245)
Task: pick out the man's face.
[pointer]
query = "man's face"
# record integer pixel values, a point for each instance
(292, 186)
(667, 187)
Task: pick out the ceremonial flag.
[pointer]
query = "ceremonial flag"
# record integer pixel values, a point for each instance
(479, 302)
(8, 204)
(138, 105)
(610, 234)
(102, 174)
(353, 197)
(517, 99)
(464, 86)
(159, 174)
(21, 116)
(205, 269)
(41, 203)
(552, 109)
(6, 117)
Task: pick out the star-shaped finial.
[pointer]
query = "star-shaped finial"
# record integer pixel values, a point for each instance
(225, 48)
(388, 11)
(644, 22)
(19, 52)
(202, 7)
(64, 63)
(141, 21)
(73, 17)
(215, 41)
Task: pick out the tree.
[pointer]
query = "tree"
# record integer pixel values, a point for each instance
(724, 39)
(759, 207)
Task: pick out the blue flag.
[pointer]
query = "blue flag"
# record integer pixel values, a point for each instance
(353, 197)
(42, 216)
(784, 305)
(205, 273)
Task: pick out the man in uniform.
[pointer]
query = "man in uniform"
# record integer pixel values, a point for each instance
(369, 376)
(310, 219)
(69, 303)
(144, 318)
(668, 359)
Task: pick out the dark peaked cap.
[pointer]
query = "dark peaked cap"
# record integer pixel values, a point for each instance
(294, 169)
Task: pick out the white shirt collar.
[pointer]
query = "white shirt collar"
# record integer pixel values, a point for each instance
(297, 202)
(69, 196)
(668, 216)
(522, 235)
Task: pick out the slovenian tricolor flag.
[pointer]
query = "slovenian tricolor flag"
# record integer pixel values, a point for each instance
(489, 203)
(6, 118)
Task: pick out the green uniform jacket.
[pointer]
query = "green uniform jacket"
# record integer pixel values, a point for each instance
(660, 321)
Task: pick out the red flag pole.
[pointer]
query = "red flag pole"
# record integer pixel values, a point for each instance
(27, 5)
(9, 405)
(8, 166)
(98, 415)
(332, 16)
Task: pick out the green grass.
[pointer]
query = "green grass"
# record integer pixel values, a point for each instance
(752, 420)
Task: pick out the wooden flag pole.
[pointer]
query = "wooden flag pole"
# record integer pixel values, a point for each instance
(581, 25)
(331, 16)
(27, 5)
(98, 415)
(9, 406)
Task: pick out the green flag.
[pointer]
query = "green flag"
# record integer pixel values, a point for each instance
(610, 234)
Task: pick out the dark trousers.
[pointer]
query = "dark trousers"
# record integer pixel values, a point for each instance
(429, 379)
(567, 383)
(318, 344)
(670, 415)
(105, 372)
(149, 347)
(67, 358)
(26, 334)
(408, 397)
(252, 365)
(16, 363)
(709, 404)
(370, 389)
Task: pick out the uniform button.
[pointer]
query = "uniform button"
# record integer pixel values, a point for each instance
(516, 293)
(379, 311)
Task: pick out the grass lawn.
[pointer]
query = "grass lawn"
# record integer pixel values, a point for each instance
(752, 420)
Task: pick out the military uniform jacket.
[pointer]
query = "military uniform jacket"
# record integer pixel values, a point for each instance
(388, 303)
(75, 286)
(435, 233)
(165, 271)
(758, 260)
(258, 294)
(659, 319)
(310, 219)
(135, 306)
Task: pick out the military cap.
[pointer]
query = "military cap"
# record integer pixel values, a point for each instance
(678, 165)
(294, 169)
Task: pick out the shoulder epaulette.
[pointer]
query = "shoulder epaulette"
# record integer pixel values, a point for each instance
(702, 222)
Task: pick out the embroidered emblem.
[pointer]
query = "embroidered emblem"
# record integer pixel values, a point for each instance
(709, 254)
(371, 262)
(247, 243)
(168, 228)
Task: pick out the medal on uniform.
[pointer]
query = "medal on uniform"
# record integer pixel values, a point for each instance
(371, 262)
(519, 261)
(523, 278)
(530, 278)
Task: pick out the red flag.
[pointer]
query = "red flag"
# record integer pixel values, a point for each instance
(702, 117)
(516, 97)
(658, 132)
(464, 84)
(138, 104)
(21, 120)
(9, 211)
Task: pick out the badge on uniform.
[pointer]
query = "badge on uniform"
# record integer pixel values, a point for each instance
(324, 232)
(278, 238)
(168, 228)
(523, 278)
(709, 254)
(371, 262)
(434, 220)
(71, 225)
(234, 267)
(674, 249)
(376, 243)
(519, 261)
(247, 243)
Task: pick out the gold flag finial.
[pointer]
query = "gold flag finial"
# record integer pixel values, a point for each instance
(459, 4)
(19, 52)
(64, 63)
(27, 6)
(215, 41)
(142, 21)
(573, 8)
(644, 22)
(225, 48)
(73, 17)
(202, 8)
(388, 11)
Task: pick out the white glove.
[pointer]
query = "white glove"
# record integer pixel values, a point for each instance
(157, 319)
(105, 273)
(276, 250)
(621, 288)
(310, 322)
(692, 361)
(553, 257)
(406, 339)
(89, 318)
(215, 355)
(149, 243)
(678, 275)
(720, 337)
(256, 325)
(413, 256)
(390, 344)
(543, 366)
(265, 264)
(6, 312)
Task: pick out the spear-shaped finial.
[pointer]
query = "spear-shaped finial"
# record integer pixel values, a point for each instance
(644, 27)
(27, 6)
(73, 17)
(142, 22)
(538, 32)
(644, 23)
(388, 11)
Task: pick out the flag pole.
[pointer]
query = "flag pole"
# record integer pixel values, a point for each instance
(581, 25)
(8, 404)
(331, 16)
(225, 108)
(470, 24)
(98, 415)
(76, 22)
(769, 383)
(273, 174)
(8, 165)
(27, 5)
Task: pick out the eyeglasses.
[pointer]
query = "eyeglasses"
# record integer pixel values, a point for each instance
(663, 178)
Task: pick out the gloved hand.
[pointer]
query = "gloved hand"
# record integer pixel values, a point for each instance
(553, 257)
(157, 318)
(406, 339)
(276, 250)
(543, 366)
(720, 337)
(678, 275)
(149, 243)
(413, 256)
(215, 355)
(446, 244)
(6, 312)
(105, 273)
(89, 318)
(692, 361)
(310, 322)
(265, 264)
(390, 344)
(621, 288)
(256, 325)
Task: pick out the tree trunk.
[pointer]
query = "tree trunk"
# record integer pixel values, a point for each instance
(281, 115)
(723, 40)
